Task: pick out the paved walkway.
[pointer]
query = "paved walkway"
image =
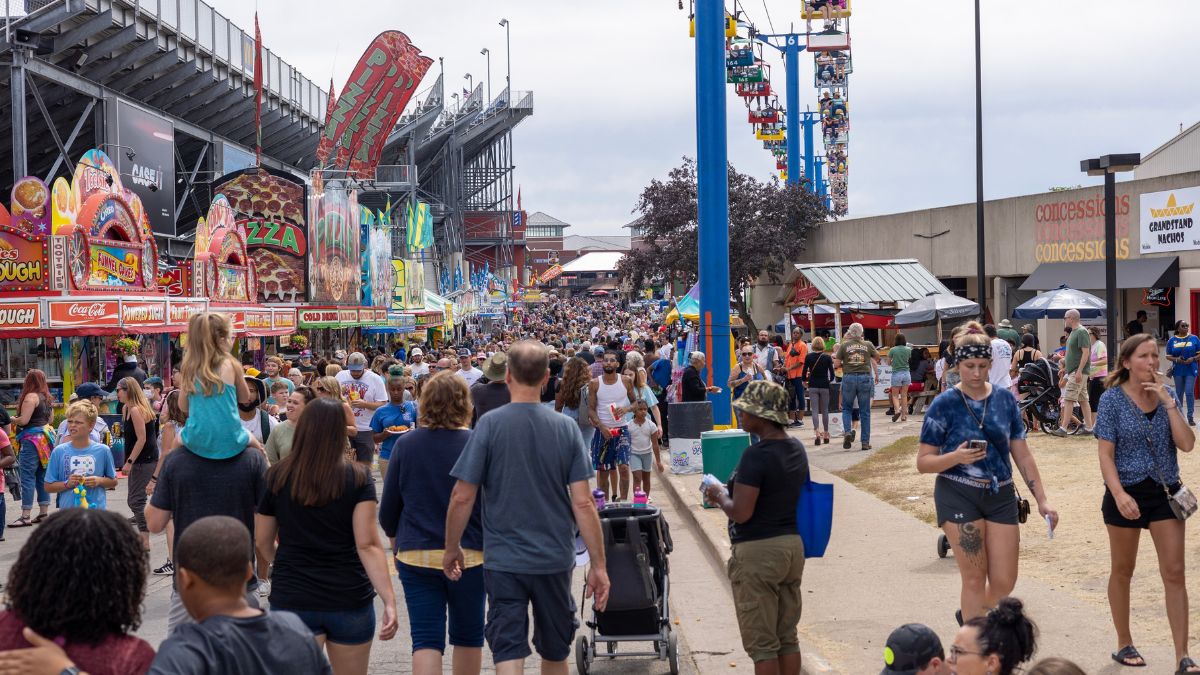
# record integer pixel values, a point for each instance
(882, 570)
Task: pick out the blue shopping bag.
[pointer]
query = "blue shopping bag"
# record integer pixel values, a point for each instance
(814, 517)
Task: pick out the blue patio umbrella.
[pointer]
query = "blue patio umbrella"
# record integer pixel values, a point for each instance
(1054, 304)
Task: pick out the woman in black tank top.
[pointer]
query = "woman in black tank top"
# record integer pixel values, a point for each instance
(34, 408)
(140, 426)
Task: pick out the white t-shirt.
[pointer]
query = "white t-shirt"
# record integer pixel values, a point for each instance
(1001, 362)
(471, 376)
(639, 436)
(420, 369)
(369, 387)
(254, 425)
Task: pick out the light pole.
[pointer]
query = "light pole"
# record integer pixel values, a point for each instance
(1109, 166)
(486, 52)
(470, 82)
(507, 57)
(980, 261)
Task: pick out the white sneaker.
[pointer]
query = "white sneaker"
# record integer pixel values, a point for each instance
(264, 589)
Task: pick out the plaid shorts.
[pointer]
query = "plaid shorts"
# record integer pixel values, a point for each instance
(610, 451)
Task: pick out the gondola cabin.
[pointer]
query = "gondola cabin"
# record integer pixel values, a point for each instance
(816, 9)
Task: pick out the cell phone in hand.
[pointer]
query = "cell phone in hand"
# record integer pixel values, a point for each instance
(977, 445)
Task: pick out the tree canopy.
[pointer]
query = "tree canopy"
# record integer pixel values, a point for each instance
(769, 224)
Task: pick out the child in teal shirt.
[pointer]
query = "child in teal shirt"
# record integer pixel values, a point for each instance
(81, 463)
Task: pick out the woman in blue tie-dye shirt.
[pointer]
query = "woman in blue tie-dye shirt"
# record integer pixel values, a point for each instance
(970, 433)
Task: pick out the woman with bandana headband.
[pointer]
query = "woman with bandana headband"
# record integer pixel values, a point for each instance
(970, 432)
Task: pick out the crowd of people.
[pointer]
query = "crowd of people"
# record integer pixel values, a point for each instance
(487, 452)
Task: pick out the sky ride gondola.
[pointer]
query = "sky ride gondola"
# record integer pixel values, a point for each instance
(825, 9)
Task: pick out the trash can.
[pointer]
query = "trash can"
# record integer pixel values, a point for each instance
(722, 450)
(688, 421)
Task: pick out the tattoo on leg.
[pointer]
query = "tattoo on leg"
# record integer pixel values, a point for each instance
(970, 539)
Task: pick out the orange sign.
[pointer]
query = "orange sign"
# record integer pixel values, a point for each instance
(258, 320)
(97, 313)
(143, 313)
(347, 316)
(181, 311)
(21, 315)
(284, 318)
(24, 265)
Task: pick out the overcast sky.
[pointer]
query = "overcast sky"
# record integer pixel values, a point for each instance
(614, 91)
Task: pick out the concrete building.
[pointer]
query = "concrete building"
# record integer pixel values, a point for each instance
(543, 242)
(1036, 242)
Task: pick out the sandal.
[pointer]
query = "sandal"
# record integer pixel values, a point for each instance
(1186, 665)
(23, 521)
(1127, 655)
(40, 517)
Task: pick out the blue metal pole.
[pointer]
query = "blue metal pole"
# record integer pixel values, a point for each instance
(822, 184)
(810, 164)
(792, 54)
(712, 193)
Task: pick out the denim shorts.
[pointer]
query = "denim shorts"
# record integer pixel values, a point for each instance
(644, 462)
(342, 627)
(901, 378)
(431, 598)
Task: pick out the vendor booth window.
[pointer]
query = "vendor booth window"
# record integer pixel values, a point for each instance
(18, 356)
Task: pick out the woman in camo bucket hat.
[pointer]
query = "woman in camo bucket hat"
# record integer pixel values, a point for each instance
(768, 554)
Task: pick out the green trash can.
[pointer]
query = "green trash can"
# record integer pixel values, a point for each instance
(722, 450)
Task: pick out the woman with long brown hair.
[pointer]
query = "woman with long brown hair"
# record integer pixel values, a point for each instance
(1139, 429)
(572, 396)
(34, 408)
(140, 427)
(331, 562)
(416, 497)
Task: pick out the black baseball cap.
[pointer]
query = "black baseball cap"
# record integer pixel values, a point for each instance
(909, 649)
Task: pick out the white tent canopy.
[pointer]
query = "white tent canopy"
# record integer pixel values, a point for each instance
(600, 261)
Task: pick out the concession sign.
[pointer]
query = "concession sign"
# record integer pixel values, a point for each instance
(358, 123)
(270, 206)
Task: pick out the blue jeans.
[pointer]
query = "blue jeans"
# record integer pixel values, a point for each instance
(797, 402)
(858, 387)
(1185, 386)
(33, 476)
(429, 594)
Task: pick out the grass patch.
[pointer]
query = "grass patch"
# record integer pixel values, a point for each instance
(891, 475)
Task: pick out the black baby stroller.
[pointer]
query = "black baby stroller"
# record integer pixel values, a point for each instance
(636, 545)
(1037, 384)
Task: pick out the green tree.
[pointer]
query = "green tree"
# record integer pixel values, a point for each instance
(769, 224)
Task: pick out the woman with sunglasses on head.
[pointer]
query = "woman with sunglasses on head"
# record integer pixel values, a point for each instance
(746, 371)
(1139, 428)
(972, 434)
(1183, 350)
(996, 643)
(328, 387)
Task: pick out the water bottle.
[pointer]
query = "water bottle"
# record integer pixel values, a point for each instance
(640, 499)
(598, 495)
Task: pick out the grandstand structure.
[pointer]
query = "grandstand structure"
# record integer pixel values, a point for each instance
(166, 87)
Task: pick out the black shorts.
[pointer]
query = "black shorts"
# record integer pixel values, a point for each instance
(555, 618)
(960, 503)
(1151, 500)
(364, 446)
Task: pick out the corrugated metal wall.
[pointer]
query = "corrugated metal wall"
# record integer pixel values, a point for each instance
(1179, 155)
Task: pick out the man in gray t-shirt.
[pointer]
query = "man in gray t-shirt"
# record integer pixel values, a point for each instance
(529, 464)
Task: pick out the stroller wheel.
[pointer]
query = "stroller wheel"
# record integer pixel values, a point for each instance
(673, 653)
(943, 546)
(583, 659)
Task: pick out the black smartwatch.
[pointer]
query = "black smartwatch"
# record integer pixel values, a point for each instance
(70, 670)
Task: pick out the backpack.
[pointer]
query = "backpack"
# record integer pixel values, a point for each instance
(264, 425)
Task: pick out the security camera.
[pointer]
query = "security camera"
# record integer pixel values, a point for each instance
(154, 187)
(130, 155)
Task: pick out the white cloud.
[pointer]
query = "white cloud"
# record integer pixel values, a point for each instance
(614, 88)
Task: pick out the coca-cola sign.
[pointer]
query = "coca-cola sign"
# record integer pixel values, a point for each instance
(96, 313)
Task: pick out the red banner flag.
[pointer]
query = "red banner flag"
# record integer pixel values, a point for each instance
(258, 88)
